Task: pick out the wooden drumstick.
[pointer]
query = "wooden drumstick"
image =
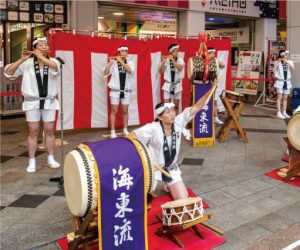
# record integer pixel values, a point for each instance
(210, 94)
(164, 172)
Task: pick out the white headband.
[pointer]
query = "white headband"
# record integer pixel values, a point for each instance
(173, 47)
(40, 39)
(211, 50)
(122, 48)
(160, 110)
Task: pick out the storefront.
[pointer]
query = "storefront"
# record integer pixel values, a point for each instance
(21, 22)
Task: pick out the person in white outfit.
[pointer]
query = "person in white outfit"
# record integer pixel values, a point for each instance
(172, 67)
(122, 78)
(163, 137)
(283, 72)
(39, 88)
(212, 54)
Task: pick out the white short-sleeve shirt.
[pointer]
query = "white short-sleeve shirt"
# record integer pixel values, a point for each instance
(152, 135)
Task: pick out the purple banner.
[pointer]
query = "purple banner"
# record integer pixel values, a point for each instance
(122, 194)
(203, 121)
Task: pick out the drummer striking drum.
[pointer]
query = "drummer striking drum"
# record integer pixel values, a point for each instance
(122, 78)
(164, 137)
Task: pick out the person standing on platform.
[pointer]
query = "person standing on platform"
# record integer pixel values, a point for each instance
(39, 88)
(212, 54)
(172, 67)
(283, 72)
(122, 78)
(163, 138)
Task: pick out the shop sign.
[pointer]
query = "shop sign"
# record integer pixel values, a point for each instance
(248, 69)
(239, 35)
(295, 58)
(253, 8)
(33, 11)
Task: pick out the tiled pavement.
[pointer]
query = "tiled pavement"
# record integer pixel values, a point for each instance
(255, 211)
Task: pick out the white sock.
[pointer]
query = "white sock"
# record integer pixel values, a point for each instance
(31, 161)
(125, 130)
(51, 159)
(113, 131)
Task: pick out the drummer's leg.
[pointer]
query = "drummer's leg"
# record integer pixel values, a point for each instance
(178, 190)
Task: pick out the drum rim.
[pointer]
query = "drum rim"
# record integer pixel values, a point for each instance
(295, 118)
(175, 203)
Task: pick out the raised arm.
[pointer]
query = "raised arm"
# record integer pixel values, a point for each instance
(107, 68)
(14, 66)
(202, 101)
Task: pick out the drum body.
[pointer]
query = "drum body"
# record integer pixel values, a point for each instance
(182, 211)
(233, 96)
(81, 171)
(293, 130)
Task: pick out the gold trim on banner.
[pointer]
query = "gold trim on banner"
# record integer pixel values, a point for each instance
(140, 150)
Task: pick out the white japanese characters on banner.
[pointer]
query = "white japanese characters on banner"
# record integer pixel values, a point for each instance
(122, 180)
(248, 68)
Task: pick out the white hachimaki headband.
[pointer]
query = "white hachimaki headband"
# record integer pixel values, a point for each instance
(160, 110)
(40, 39)
(122, 48)
(283, 53)
(211, 50)
(174, 47)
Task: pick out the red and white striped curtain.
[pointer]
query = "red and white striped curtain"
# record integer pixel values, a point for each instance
(85, 90)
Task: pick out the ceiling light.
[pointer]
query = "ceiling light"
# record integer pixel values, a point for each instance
(100, 17)
(118, 14)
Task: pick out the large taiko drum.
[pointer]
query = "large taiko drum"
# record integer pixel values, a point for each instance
(293, 129)
(81, 170)
(182, 211)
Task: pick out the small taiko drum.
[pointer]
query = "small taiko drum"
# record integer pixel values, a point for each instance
(231, 95)
(81, 170)
(182, 211)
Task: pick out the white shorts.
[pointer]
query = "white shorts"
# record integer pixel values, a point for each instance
(283, 91)
(168, 95)
(48, 115)
(116, 100)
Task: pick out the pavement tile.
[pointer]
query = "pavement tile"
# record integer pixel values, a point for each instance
(238, 190)
(291, 212)
(250, 232)
(29, 201)
(232, 243)
(12, 176)
(13, 214)
(273, 222)
(219, 197)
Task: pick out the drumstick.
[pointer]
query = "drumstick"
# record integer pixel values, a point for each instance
(210, 94)
(164, 172)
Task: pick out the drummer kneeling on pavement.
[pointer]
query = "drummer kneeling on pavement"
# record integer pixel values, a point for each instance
(163, 137)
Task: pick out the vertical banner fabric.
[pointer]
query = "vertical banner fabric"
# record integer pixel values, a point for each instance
(123, 195)
(203, 125)
(86, 94)
(248, 67)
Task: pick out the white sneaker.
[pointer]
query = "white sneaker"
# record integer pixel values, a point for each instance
(113, 134)
(31, 169)
(280, 116)
(53, 164)
(285, 114)
(125, 132)
(218, 121)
